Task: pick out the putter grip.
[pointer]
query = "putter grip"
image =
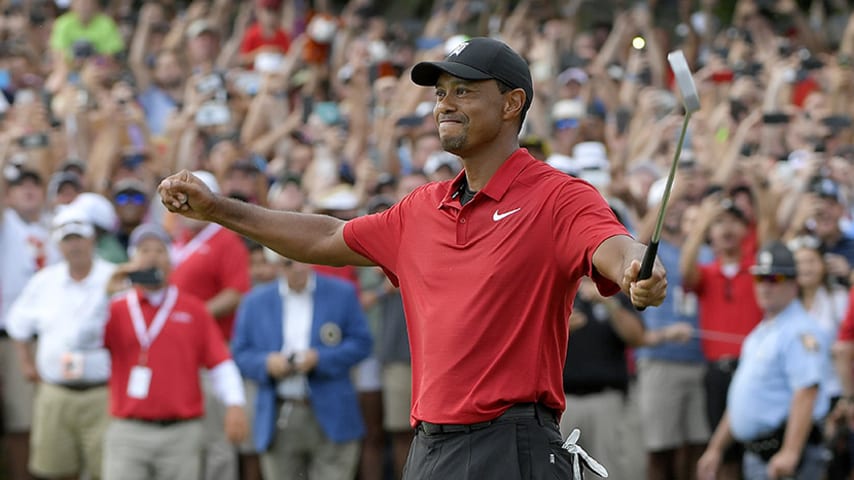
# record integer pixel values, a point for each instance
(648, 262)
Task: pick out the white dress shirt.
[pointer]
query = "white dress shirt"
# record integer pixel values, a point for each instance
(18, 255)
(68, 316)
(15, 270)
(297, 316)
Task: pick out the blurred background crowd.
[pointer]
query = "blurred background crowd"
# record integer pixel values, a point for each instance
(307, 106)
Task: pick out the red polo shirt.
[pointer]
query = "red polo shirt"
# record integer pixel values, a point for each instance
(189, 341)
(727, 305)
(220, 263)
(488, 287)
(846, 329)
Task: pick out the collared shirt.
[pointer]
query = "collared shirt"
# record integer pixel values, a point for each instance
(488, 286)
(780, 356)
(216, 259)
(67, 315)
(16, 264)
(189, 341)
(727, 305)
(297, 316)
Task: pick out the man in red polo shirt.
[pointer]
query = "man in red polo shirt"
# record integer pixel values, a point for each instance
(488, 265)
(727, 302)
(159, 337)
(212, 264)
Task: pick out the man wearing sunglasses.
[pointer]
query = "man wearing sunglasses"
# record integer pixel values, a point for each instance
(776, 398)
(130, 197)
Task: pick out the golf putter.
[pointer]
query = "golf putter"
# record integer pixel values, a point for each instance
(691, 102)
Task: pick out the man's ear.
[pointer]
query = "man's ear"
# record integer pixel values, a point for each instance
(514, 101)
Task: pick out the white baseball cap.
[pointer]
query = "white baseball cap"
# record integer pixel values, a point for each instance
(71, 220)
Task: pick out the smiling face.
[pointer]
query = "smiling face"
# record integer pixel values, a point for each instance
(469, 113)
(811, 269)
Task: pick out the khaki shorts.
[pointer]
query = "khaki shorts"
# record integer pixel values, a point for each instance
(672, 404)
(18, 393)
(68, 431)
(397, 397)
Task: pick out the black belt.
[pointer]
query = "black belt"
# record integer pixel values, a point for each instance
(80, 387)
(298, 401)
(770, 444)
(581, 390)
(726, 364)
(162, 422)
(520, 410)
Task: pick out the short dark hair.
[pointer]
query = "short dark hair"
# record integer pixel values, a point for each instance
(504, 88)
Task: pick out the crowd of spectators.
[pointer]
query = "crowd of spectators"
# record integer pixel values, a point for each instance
(308, 106)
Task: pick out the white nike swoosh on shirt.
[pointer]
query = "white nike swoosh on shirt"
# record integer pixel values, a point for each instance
(498, 216)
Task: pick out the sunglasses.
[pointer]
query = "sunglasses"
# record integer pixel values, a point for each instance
(775, 278)
(130, 199)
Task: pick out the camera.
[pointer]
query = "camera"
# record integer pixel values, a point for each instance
(210, 84)
(83, 49)
(150, 276)
(213, 114)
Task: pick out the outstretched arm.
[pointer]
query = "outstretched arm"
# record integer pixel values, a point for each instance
(307, 238)
(619, 259)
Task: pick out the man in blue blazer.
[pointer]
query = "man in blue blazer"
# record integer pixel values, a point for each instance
(298, 338)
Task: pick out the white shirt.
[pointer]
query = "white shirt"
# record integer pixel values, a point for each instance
(297, 316)
(68, 316)
(16, 267)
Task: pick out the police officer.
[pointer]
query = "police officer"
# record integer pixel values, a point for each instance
(775, 399)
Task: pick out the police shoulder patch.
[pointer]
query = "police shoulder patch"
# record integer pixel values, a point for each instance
(809, 342)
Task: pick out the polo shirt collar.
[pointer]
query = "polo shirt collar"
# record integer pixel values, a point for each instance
(498, 184)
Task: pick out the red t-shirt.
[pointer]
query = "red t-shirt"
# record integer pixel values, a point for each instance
(189, 341)
(254, 39)
(846, 329)
(727, 305)
(488, 288)
(219, 263)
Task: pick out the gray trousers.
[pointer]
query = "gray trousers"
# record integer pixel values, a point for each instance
(300, 449)
(219, 456)
(136, 450)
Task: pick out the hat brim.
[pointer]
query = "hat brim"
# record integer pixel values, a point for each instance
(767, 270)
(427, 74)
(79, 229)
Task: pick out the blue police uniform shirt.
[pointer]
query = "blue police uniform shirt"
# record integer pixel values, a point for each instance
(781, 355)
(678, 306)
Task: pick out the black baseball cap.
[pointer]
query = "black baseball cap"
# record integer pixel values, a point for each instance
(775, 258)
(480, 58)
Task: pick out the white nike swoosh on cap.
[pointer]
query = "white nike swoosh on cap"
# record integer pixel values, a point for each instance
(498, 216)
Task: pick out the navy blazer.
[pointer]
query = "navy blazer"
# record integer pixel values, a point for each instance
(258, 332)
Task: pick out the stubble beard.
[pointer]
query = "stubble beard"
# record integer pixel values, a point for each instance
(453, 143)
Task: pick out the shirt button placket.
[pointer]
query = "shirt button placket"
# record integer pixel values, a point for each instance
(462, 228)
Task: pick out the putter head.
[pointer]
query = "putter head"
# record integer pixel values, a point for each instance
(684, 80)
